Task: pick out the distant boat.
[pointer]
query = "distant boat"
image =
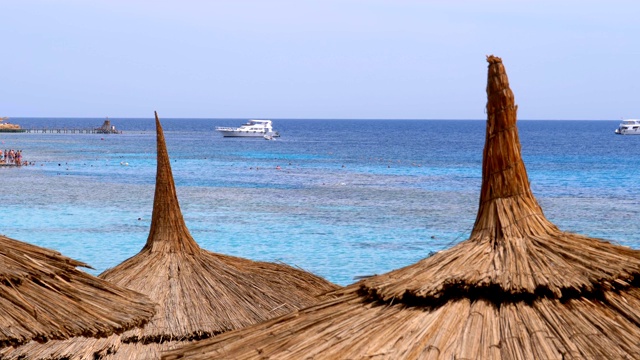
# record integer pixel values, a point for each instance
(107, 128)
(7, 127)
(629, 127)
(253, 128)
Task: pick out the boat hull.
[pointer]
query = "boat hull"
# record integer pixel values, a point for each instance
(242, 134)
(628, 131)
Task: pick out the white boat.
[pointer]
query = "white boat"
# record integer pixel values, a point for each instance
(629, 127)
(253, 128)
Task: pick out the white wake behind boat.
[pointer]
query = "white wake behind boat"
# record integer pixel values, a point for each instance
(253, 128)
(629, 127)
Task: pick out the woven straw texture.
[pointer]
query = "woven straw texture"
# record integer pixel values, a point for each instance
(43, 297)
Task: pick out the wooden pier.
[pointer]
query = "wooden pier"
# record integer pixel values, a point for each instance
(106, 128)
(69, 131)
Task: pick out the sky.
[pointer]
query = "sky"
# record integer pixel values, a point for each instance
(320, 59)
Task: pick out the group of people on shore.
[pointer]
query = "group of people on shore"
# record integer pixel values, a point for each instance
(13, 157)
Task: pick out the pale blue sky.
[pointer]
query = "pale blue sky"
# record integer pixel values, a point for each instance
(383, 59)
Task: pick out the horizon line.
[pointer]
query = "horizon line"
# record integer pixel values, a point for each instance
(290, 118)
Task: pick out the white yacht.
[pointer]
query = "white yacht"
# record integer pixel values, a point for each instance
(253, 128)
(629, 127)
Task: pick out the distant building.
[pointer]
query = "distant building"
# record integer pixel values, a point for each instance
(7, 127)
(107, 128)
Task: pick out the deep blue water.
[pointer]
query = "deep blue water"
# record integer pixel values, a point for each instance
(353, 197)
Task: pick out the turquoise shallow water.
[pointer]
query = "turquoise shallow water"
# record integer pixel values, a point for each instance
(352, 198)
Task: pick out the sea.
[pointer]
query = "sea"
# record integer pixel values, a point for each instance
(340, 198)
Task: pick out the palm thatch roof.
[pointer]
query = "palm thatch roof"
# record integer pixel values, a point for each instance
(518, 288)
(43, 297)
(200, 293)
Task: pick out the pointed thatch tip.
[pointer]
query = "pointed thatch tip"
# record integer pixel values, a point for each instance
(168, 231)
(491, 59)
(501, 107)
(505, 197)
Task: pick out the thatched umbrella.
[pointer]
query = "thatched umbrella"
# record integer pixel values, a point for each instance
(43, 297)
(200, 293)
(518, 288)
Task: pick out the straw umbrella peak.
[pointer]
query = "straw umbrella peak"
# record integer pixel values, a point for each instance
(168, 232)
(513, 250)
(518, 288)
(504, 176)
(202, 293)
